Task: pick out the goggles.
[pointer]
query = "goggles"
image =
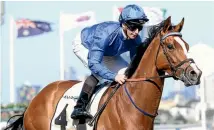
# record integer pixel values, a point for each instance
(133, 27)
(135, 24)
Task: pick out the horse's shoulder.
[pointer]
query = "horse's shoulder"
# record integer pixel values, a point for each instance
(57, 87)
(69, 82)
(64, 83)
(107, 92)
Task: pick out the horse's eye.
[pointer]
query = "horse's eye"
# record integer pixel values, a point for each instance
(170, 46)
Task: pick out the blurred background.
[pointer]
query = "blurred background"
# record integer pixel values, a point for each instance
(35, 50)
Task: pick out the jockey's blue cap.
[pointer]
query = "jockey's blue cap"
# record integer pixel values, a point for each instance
(133, 12)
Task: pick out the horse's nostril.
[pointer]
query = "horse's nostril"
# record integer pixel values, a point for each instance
(192, 72)
(193, 75)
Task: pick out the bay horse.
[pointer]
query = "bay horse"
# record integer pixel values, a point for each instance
(135, 104)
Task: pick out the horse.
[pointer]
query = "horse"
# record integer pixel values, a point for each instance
(134, 105)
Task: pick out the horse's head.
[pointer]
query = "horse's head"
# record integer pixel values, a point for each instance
(172, 55)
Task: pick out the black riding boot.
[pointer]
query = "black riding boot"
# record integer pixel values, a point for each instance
(80, 111)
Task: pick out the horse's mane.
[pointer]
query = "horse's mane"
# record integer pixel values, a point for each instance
(152, 32)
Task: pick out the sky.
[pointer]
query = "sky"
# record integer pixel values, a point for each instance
(36, 58)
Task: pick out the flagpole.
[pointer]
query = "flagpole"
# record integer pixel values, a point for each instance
(61, 48)
(203, 103)
(11, 79)
(115, 13)
(1, 22)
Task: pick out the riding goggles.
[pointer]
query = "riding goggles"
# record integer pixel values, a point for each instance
(133, 25)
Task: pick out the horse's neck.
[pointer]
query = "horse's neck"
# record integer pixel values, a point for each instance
(148, 94)
(146, 67)
(145, 95)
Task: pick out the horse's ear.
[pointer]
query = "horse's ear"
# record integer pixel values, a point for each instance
(167, 24)
(179, 27)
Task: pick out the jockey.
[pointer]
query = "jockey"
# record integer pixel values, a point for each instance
(99, 48)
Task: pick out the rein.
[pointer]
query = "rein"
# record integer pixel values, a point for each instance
(114, 91)
(162, 76)
(148, 78)
(173, 69)
(143, 79)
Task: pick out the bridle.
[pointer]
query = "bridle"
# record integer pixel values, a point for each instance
(173, 68)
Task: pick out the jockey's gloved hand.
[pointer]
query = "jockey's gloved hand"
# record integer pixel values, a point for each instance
(120, 78)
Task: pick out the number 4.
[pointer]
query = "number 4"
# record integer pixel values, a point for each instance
(61, 119)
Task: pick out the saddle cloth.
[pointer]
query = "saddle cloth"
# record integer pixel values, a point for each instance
(62, 120)
(66, 105)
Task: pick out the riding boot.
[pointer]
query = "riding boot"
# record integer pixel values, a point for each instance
(80, 111)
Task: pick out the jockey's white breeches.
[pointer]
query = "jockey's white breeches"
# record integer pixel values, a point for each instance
(115, 64)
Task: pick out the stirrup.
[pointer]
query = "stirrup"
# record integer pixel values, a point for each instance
(82, 115)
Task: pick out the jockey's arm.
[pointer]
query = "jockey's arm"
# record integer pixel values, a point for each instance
(95, 57)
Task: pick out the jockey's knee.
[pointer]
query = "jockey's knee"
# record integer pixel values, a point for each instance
(91, 82)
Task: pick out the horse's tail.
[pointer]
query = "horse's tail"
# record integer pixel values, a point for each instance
(17, 124)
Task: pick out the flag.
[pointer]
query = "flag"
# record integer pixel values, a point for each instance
(155, 15)
(116, 12)
(69, 21)
(22, 28)
(26, 27)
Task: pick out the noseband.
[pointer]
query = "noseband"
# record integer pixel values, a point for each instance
(174, 69)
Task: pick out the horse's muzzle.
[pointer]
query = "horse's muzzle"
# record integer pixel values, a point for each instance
(191, 75)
